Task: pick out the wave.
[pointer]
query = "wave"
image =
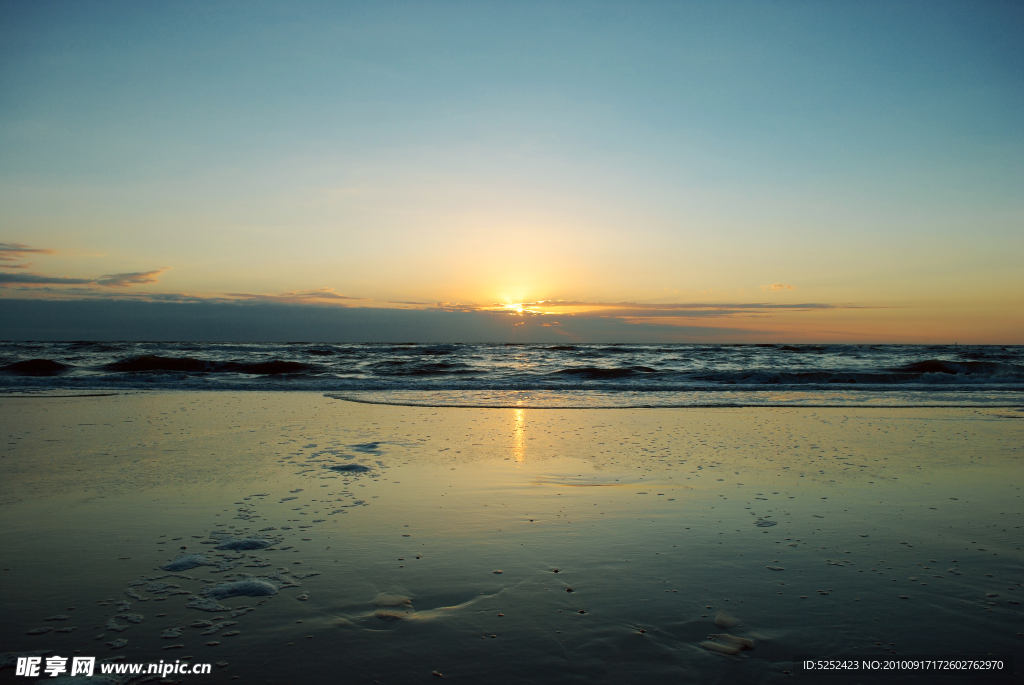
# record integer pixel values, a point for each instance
(569, 367)
(600, 372)
(930, 371)
(802, 348)
(152, 363)
(403, 367)
(967, 368)
(36, 367)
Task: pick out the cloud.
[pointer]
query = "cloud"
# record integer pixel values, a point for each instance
(110, 280)
(89, 293)
(13, 252)
(130, 279)
(122, 317)
(13, 266)
(39, 279)
(634, 309)
(550, 314)
(674, 314)
(18, 247)
(32, 291)
(319, 295)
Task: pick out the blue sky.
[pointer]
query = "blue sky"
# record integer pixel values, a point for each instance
(868, 155)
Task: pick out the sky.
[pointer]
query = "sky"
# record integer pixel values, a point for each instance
(691, 171)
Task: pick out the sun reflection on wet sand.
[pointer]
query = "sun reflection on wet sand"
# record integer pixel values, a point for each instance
(519, 435)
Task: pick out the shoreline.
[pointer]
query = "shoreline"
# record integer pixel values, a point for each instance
(349, 397)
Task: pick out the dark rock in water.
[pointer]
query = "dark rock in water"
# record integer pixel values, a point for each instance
(761, 523)
(350, 468)
(243, 543)
(366, 447)
(36, 367)
(184, 562)
(250, 588)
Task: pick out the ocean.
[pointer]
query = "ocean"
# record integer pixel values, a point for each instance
(538, 375)
(782, 505)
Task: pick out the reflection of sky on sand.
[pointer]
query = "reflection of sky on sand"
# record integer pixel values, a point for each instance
(863, 501)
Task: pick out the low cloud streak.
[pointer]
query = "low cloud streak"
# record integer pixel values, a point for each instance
(124, 280)
(39, 279)
(129, 279)
(317, 296)
(14, 252)
(18, 247)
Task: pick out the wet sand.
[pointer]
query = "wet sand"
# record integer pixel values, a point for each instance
(306, 539)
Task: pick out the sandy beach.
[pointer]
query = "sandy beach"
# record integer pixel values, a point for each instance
(398, 545)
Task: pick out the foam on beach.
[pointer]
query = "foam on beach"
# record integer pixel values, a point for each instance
(238, 544)
(185, 562)
(248, 587)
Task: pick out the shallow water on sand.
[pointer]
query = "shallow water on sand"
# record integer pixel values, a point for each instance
(507, 545)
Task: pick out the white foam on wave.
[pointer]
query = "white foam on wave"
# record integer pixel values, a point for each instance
(592, 399)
